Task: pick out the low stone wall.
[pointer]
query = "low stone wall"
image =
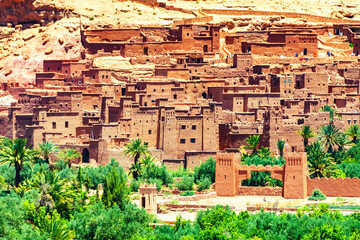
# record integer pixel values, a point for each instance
(196, 197)
(260, 191)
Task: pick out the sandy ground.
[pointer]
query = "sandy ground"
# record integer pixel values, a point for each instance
(239, 203)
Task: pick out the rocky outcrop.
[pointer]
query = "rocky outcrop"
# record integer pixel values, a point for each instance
(29, 11)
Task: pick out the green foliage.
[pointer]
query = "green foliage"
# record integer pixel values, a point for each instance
(152, 171)
(351, 170)
(181, 172)
(46, 149)
(134, 185)
(13, 218)
(317, 195)
(325, 232)
(116, 190)
(332, 112)
(281, 144)
(52, 226)
(206, 170)
(306, 133)
(186, 183)
(136, 148)
(187, 193)
(262, 178)
(328, 136)
(319, 161)
(203, 183)
(252, 143)
(16, 153)
(110, 223)
(68, 155)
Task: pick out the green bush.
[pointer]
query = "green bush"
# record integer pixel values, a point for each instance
(317, 195)
(206, 170)
(203, 183)
(187, 193)
(134, 185)
(158, 183)
(186, 183)
(262, 178)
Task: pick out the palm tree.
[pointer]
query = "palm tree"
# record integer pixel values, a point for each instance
(135, 170)
(54, 191)
(47, 148)
(319, 161)
(147, 160)
(328, 136)
(18, 154)
(280, 144)
(264, 152)
(353, 132)
(306, 133)
(54, 228)
(342, 140)
(68, 155)
(252, 141)
(136, 149)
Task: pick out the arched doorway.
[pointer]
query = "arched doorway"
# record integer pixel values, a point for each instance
(85, 155)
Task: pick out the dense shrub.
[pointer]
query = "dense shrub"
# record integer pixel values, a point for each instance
(112, 223)
(187, 193)
(186, 183)
(317, 195)
(152, 171)
(262, 178)
(134, 185)
(203, 183)
(351, 170)
(206, 170)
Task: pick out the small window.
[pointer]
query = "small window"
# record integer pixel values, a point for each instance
(183, 126)
(54, 125)
(349, 121)
(66, 124)
(182, 141)
(355, 121)
(175, 96)
(192, 140)
(149, 132)
(193, 127)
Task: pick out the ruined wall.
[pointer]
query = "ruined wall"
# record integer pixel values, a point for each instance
(331, 187)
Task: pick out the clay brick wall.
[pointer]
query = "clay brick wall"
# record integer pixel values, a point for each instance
(113, 35)
(259, 191)
(332, 187)
(195, 158)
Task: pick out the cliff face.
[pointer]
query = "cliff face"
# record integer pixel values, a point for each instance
(29, 11)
